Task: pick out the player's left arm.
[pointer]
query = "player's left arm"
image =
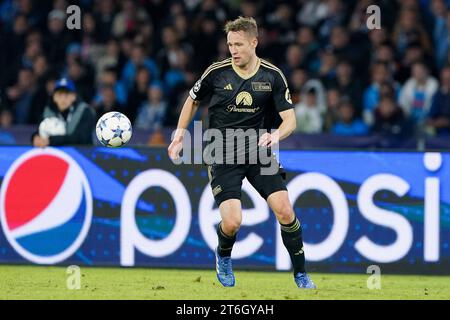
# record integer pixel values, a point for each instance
(289, 123)
(283, 104)
(286, 127)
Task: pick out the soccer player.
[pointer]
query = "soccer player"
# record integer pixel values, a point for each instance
(245, 92)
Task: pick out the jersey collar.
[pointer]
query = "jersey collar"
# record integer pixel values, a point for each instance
(243, 75)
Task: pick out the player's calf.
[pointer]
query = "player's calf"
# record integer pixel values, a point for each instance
(292, 239)
(226, 242)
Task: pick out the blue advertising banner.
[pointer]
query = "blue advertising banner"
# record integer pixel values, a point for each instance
(134, 207)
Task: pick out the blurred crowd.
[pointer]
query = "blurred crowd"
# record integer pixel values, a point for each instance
(141, 57)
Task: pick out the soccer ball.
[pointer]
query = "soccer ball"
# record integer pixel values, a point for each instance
(52, 127)
(113, 129)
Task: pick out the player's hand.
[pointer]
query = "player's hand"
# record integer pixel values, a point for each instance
(175, 149)
(40, 142)
(268, 140)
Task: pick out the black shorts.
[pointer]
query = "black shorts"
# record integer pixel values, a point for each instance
(226, 180)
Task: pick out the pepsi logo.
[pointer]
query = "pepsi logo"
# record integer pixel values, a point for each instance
(45, 206)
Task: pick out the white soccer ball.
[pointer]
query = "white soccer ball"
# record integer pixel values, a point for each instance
(113, 129)
(52, 127)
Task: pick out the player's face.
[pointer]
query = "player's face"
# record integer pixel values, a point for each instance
(242, 47)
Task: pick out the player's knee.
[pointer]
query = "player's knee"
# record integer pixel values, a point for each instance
(285, 214)
(231, 226)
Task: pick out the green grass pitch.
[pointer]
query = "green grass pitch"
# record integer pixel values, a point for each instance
(41, 282)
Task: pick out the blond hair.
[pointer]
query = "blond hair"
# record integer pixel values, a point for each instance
(248, 25)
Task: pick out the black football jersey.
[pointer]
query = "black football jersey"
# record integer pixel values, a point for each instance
(239, 101)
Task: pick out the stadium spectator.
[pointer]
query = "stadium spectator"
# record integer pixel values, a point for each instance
(109, 77)
(296, 81)
(439, 115)
(446, 43)
(82, 75)
(178, 80)
(416, 94)
(157, 139)
(104, 17)
(44, 91)
(309, 113)
(306, 39)
(89, 42)
(312, 12)
(128, 19)
(377, 38)
(342, 48)
(108, 101)
(440, 31)
(267, 46)
(33, 49)
(213, 7)
(177, 74)
(347, 84)
(409, 30)
(331, 114)
(60, 4)
(348, 124)
(358, 19)
(78, 117)
(168, 53)
(295, 58)
(152, 113)
(6, 118)
(222, 50)
(409, 5)
(371, 99)
(6, 121)
(447, 61)
(205, 38)
(11, 9)
(176, 40)
(57, 39)
(250, 8)
(414, 53)
(389, 118)
(109, 55)
(281, 21)
(138, 58)
(335, 16)
(21, 94)
(327, 66)
(386, 54)
(40, 67)
(13, 46)
(138, 94)
(73, 52)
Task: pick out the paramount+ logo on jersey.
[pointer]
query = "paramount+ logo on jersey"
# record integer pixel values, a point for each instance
(244, 101)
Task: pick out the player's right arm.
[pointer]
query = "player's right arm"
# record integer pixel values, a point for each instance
(284, 107)
(187, 114)
(201, 89)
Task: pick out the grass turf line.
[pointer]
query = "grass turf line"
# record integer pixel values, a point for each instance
(41, 282)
